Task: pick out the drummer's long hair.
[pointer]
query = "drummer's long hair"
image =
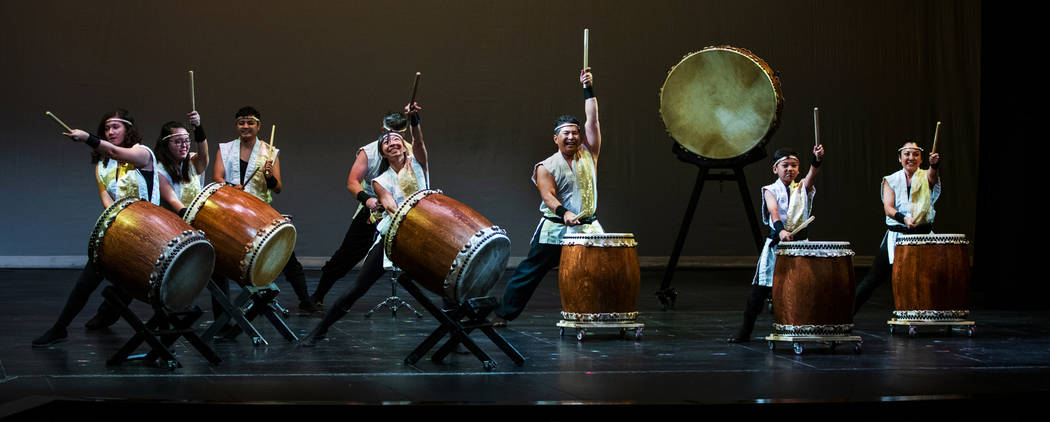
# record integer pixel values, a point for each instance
(131, 135)
(179, 172)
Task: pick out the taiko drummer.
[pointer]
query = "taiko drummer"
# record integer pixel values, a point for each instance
(254, 166)
(402, 172)
(908, 196)
(787, 205)
(180, 169)
(123, 168)
(568, 186)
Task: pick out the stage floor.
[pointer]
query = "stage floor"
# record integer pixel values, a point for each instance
(681, 359)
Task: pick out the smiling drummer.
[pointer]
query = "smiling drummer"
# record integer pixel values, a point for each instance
(568, 185)
(907, 200)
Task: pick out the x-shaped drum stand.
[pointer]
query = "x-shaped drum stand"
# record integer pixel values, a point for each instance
(259, 301)
(160, 333)
(457, 323)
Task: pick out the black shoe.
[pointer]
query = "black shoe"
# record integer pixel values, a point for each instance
(739, 339)
(310, 307)
(499, 322)
(55, 334)
(101, 320)
(312, 339)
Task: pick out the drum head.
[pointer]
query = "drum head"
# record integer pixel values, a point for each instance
(720, 102)
(188, 274)
(483, 269)
(272, 256)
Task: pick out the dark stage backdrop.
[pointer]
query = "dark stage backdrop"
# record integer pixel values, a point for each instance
(495, 74)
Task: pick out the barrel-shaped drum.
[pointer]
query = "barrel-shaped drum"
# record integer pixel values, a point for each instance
(813, 288)
(446, 246)
(931, 277)
(151, 253)
(252, 241)
(599, 277)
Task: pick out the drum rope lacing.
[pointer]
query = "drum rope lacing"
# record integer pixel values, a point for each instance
(928, 315)
(932, 239)
(815, 249)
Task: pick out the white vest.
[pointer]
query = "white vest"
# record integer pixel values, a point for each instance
(133, 183)
(231, 160)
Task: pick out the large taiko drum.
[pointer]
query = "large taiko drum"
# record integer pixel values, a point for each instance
(599, 277)
(252, 241)
(813, 288)
(721, 102)
(151, 253)
(931, 277)
(446, 246)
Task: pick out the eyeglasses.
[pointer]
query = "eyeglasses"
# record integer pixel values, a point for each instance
(180, 141)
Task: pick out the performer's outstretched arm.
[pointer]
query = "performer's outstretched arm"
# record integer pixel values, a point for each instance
(592, 130)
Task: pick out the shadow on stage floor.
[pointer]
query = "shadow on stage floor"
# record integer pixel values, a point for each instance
(680, 361)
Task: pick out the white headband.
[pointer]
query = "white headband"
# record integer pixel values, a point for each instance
(117, 119)
(909, 147)
(566, 124)
(249, 117)
(175, 134)
(784, 158)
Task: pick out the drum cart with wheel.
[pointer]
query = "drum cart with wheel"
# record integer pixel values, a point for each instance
(949, 325)
(798, 341)
(582, 327)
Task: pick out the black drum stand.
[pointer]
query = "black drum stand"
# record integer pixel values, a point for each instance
(252, 302)
(735, 166)
(160, 333)
(457, 323)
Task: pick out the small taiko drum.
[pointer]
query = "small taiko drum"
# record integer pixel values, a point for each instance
(152, 254)
(252, 241)
(931, 277)
(599, 277)
(721, 102)
(813, 289)
(446, 246)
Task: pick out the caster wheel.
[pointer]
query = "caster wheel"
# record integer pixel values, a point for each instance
(799, 348)
(772, 345)
(258, 341)
(971, 331)
(623, 333)
(893, 329)
(488, 365)
(857, 347)
(638, 333)
(561, 332)
(580, 334)
(912, 331)
(171, 365)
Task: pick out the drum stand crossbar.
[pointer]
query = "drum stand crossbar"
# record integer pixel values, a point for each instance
(160, 333)
(394, 301)
(470, 315)
(258, 301)
(667, 294)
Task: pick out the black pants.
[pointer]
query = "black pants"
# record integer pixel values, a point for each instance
(542, 258)
(87, 282)
(880, 271)
(371, 270)
(755, 302)
(359, 237)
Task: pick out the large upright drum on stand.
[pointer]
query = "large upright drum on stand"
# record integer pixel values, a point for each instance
(721, 102)
(813, 288)
(931, 281)
(252, 241)
(446, 246)
(599, 281)
(151, 253)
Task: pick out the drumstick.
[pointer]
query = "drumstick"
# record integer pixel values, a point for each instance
(586, 48)
(803, 225)
(415, 86)
(936, 131)
(816, 126)
(53, 116)
(193, 95)
(273, 132)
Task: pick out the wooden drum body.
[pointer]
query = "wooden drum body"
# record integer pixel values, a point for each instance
(599, 277)
(446, 246)
(931, 277)
(151, 253)
(252, 241)
(721, 102)
(813, 288)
